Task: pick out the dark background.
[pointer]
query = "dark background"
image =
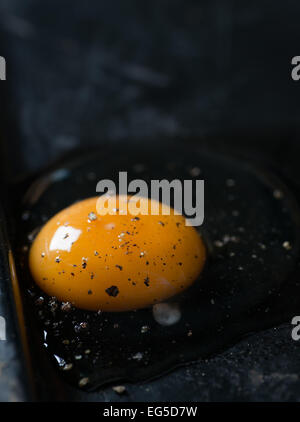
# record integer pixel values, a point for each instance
(82, 72)
(218, 72)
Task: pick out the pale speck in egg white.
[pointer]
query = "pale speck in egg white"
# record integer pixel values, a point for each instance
(287, 245)
(119, 389)
(83, 382)
(227, 238)
(166, 314)
(78, 357)
(67, 367)
(138, 356)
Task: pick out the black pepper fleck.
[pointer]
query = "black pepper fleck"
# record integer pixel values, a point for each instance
(112, 291)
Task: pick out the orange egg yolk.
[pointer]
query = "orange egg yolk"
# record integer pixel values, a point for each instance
(115, 262)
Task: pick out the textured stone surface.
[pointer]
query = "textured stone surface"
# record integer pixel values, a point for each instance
(263, 367)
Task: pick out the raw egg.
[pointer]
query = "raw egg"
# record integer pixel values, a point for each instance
(115, 261)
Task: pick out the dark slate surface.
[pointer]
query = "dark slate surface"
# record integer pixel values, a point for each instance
(80, 73)
(263, 367)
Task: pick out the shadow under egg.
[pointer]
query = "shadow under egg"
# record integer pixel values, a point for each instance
(251, 231)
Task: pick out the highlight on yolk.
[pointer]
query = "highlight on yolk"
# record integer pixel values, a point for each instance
(115, 262)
